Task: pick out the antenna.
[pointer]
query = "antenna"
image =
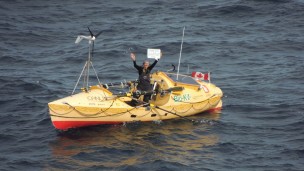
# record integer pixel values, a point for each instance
(180, 53)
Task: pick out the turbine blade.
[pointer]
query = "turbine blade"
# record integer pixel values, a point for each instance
(98, 34)
(79, 38)
(90, 32)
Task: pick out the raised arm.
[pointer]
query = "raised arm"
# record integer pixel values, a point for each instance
(133, 57)
(153, 65)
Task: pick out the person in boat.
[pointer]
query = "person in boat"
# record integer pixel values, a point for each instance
(143, 77)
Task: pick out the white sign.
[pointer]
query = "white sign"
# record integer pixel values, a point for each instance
(153, 53)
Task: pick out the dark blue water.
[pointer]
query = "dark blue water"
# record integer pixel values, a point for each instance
(254, 49)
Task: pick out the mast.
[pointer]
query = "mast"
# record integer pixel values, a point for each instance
(88, 65)
(180, 53)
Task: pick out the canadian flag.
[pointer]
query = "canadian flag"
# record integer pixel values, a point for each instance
(199, 75)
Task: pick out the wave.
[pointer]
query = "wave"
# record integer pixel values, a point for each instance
(235, 9)
(159, 164)
(227, 148)
(6, 138)
(13, 59)
(293, 153)
(223, 11)
(272, 1)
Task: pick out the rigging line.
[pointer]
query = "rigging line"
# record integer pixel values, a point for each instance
(98, 78)
(95, 73)
(85, 75)
(105, 95)
(79, 77)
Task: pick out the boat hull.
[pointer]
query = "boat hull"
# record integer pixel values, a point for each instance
(64, 119)
(98, 105)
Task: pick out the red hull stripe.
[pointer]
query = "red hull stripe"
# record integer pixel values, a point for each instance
(64, 125)
(215, 109)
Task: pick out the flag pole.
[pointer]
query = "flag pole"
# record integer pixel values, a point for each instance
(180, 53)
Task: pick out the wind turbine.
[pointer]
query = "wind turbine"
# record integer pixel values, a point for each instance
(86, 67)
(91, 39)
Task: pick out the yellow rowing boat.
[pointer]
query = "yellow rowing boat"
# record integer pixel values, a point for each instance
(170, 98)
(100, 106)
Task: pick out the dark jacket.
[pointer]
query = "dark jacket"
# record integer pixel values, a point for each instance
(144, 76)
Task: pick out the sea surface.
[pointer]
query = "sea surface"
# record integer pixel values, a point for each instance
(253, 49)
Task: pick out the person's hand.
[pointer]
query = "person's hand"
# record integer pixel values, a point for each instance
(133, 57)
(161, 54)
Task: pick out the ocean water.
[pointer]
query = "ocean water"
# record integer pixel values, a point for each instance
(253, 48)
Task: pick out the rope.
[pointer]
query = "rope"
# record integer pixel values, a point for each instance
(86, 115)
(95, 115)
(60, 113)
